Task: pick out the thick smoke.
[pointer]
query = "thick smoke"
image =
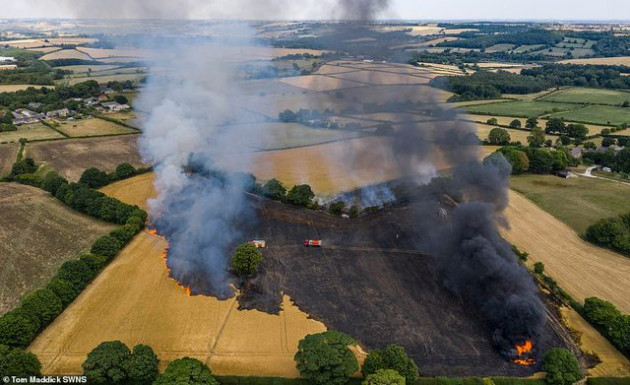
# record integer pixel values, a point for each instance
(188, 138)
(362, 10)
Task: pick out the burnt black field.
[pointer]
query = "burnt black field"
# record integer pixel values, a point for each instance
(369, 281)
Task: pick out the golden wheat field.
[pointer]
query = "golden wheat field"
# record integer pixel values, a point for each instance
(621, 61)
(66, 54)
(134, 300)
(580, 268)
(613, 363)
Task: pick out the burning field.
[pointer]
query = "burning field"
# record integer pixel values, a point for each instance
(369, 281)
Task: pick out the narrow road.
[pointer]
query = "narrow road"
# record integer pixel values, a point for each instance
(589, 174)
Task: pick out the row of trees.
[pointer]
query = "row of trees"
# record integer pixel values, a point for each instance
(609, 321)
(20, 326)
(326, 358)
(536, 160)
(572, 130)
(299, 195)
(613, 233)
(531, 37)
(113, 363)
(491, 85)
(95, 178)
(50, 98)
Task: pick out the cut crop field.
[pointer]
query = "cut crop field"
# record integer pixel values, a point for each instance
(145, 306)
(606, 115)
(8, 155)
(66, 54)
(578, 202)
(37, 234)
(20, 87)
(521, 108)
(613, 363)
(73, 156)
(588, 96)
(92, 127)
(134, 77)
(621, 61)
(580, 268)
(33, 131)
(274, 136)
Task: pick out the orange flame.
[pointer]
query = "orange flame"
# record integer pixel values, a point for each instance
(186, 289)
(524, 349)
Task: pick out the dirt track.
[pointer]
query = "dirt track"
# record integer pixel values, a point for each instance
(580, 268)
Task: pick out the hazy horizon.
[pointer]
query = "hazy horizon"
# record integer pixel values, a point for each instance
(455, 10)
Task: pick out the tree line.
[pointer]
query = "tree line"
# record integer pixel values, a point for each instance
(491, 85)
(50, 98)
(20, 326)
(609, 321)
(531, 37)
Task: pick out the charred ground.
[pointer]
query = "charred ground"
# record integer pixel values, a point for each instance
(370, 282)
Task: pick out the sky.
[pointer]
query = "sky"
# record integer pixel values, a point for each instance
(318, 9)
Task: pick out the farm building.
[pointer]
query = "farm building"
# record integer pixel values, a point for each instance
(113, 106)
(25, 116)
(62, 113)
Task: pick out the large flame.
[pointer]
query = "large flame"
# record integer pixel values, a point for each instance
(186, 289)
(524, 351)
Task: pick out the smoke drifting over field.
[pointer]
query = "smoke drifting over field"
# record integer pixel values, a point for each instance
(189, 111)
(186, 130)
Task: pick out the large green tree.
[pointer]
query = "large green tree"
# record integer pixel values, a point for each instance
(17, 362)
(246, 259)
(63, 289)
(518, 159)
(300, 195)
(562, 367)
(105, 364)
(385, 377)
(536, 138)
(142, 365)
(94, 178)
(273, 189)
(42, 304)
(326, 358)
(17, 329)
(392, 357)
(186, 371)
(106, 246)
(498, 136)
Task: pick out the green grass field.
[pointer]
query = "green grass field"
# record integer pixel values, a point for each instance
(521, 108)
(606, 115)
(589, 96)
(578, 202)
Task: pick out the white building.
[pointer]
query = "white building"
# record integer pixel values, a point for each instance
(113, 106)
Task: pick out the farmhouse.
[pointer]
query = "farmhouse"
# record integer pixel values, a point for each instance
(576, 153)
(113, 106)
(62, 113)
(6, 59)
